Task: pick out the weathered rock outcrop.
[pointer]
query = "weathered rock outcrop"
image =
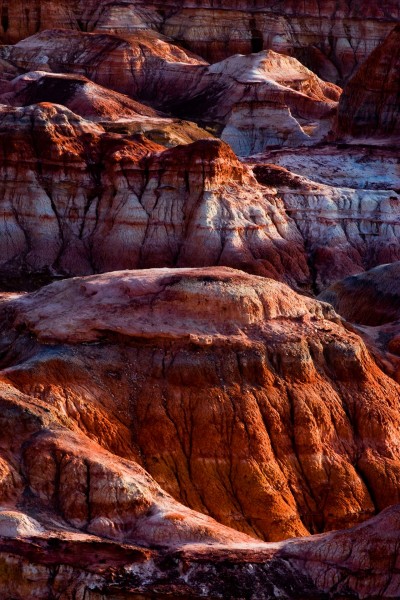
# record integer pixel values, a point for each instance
(143, 64)
(344, 201)
(158, 424)
(252, 101)
(262, 100)
(331, 37)
(244, 400)
(57, 483)
(76, 200)
(370, 106)
(358, 563)
(114, 111)
(328, 36)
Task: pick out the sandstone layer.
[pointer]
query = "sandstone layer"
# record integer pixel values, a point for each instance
(78, 198)
(244, 400)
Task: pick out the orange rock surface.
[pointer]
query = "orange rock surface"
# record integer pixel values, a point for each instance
(179, 416)
(244, 400)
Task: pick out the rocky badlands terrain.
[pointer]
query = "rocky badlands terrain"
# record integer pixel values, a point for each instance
(199, 300)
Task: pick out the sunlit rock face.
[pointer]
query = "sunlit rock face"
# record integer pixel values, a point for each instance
(369, 107)
(232, 390)
(252, 395)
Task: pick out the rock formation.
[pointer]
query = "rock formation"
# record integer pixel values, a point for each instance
(115, 112)
(81, 198)
(244, 400)
(262, 100)
(357, 563)
(369, 106)
(179, 416)
(371, 298)
(344, 202)
(253, 101)
(77, 93)
(328, 36)
(143, 64)
(78, 200)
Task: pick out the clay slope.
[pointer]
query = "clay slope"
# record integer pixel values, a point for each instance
(251, 101)
(344, 201)
(369, 106)
(78, 200)
(244, 400)
(329, 36)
